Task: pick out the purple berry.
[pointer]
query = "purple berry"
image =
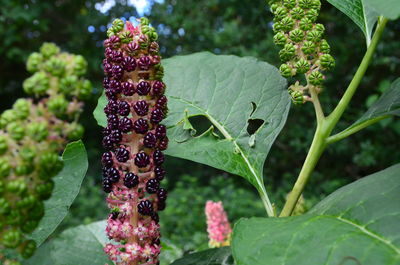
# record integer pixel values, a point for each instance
(112, 121)
(159, 173)
(111, 107)
(142, 159)
(145, 207)
(144, 63)
(141, 126)
(122, 154)
(162, 194)
(107, 185)
(108, 143)
(161, 131)
(125, 125)
(161, 205)
(114, 215)
(156, 116)
(115, 86)
(124, 108)
(129, 63)
(116, 56)
(128, 88)
(131, 180)
(149, 140)
(141, 107)
(113, 174)
(132, 47)
(143, 88)
(106, 82)
(106, 131)
(155, 217)
(161, 102)
(158, 157)
(116, 136)
(163, 144)
(107, 160)
(117, 71)
(158, 88)
(152, 186)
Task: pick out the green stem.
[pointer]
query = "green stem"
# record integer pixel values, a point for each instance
(352, 130)
(326, 125)
(267, 204)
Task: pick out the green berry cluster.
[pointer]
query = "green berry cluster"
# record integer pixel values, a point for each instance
(303, 49)
(32, 135)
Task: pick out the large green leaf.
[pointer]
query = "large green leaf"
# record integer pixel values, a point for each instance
(387, 8)
(230, 92)
(67, 185)
(357, 224)
(361, 13)
(215, 256)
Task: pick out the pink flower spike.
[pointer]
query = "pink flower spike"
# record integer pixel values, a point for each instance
(131, 28)
(218, 227)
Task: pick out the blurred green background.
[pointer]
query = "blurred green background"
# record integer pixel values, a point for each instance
(241, 27)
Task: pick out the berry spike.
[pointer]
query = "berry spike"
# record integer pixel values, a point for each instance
(134, 139)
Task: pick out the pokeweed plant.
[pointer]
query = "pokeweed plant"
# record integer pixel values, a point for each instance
(32, 134)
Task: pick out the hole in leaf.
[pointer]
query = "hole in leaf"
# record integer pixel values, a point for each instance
(201, 124)
(254, 105)
(253, 125)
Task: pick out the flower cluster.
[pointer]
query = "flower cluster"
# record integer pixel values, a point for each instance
(134, 140)
(304, 51)
(32, 135)
(218, 227)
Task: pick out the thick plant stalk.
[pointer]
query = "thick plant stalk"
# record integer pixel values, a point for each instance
(32, 135)
(134, 139)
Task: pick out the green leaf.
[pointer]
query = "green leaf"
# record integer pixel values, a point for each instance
(215, 256)
(81, 245)
(67, 185)
(361, 13)
(357, 224)
(98, 112)
(230, 92)
(387, 8)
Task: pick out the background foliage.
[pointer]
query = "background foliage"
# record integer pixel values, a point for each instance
(240, 27)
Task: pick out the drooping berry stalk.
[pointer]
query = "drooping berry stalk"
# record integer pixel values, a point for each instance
(134, 139)
(218, 227)
(304, 51)
(32, 135)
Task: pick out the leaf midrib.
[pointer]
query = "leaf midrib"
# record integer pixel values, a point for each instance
(227, 136)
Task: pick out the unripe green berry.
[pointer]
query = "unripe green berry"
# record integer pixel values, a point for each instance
(297, 97)
(273, 7)
(14, 218)
(17, 186)
(125, 36)
(287, 52)
(280, 39)
(29, 225)
(5, 167)
(305, 24)
(110, 31)
(11, 238)
(21, 108)
(315, 78)
(7, 117)
(55, 66)
(80, 65)
(277, 27)
(84, 90)
(28, 249)
(158, 72)
(37, 211)
(4, 206)
(38, 131)
(37, 84)
(118, 25)
(3, 144)
(302, 66)
(285, 70)
(280, 13)
(320, 28)
(324, 47)
(27, 202)
(316, 4)
(297, 13)
(75, 131)
(58, 105)
(23, 169)
(45, 189)
(34, 62)
(49, 165)
(287, 24)
(49, 49)
(289, 3)
(327, 62)
(16, 131)
(27, 154)
(312, 15)
(296, 35)
(144, 21)
(308, 47)
(314, 36)
(153, 36)
(306, 4)
(68, 84)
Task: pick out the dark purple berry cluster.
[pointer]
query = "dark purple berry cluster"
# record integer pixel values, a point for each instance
(134, 137)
